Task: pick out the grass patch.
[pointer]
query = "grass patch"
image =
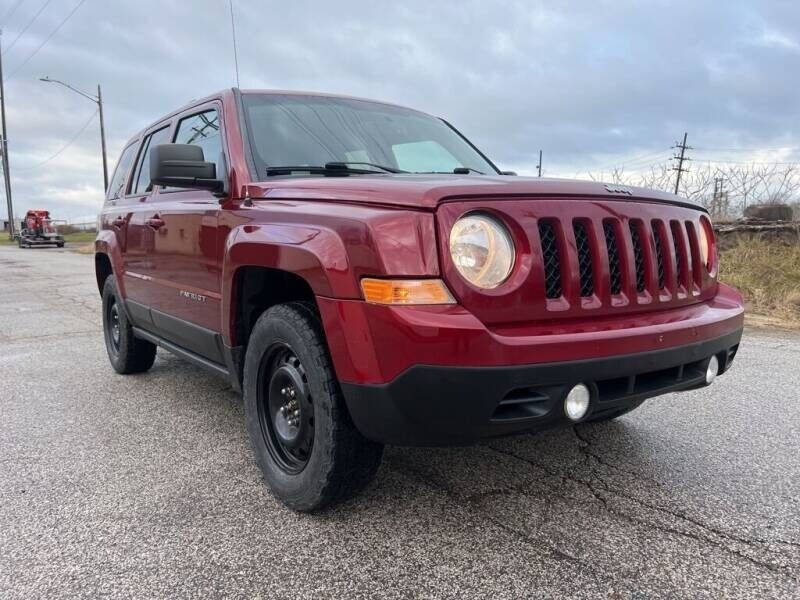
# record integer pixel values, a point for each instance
(767, 273)
(80, 237)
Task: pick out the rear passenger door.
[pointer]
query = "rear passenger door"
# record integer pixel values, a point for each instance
(115, 213)
(184, 260)
(141, 234)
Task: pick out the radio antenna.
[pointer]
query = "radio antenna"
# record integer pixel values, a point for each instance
(235, 51)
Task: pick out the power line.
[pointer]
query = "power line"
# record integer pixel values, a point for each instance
(11, 12)
(641, 158)
(749, 162)
(47, 39)
(67, 145)
(705, 149)
(24, 29)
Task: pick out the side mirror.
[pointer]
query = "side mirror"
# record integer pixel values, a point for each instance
(183, 165)
(508, 172)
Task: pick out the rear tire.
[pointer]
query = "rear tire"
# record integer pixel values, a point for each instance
(309, 451)
(127, 353)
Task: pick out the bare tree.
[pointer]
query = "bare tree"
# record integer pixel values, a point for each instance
(742, 184)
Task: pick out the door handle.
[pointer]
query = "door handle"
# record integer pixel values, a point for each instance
(155, 222)
(119, 222)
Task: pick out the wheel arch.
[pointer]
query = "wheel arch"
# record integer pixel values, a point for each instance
(107, 261)
(264, 265)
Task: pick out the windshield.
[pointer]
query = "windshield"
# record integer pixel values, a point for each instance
(294, 130)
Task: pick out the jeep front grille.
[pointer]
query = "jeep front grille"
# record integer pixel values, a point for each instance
(642, 256)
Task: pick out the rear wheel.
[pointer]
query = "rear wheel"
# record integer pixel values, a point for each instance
(127, 353)
(303, 438)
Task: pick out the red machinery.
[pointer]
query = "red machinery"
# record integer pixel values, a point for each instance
(38, 230)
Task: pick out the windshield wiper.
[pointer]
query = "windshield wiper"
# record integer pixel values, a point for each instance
(328, 169)
(343, 163)
(456, 171)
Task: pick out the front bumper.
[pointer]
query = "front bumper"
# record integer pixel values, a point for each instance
(436, 375)
(443, 405)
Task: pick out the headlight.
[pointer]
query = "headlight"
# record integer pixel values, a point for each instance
(704, 234)
(482, 250)
(703, 244)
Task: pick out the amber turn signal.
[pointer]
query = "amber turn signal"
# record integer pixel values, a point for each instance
(406, 291)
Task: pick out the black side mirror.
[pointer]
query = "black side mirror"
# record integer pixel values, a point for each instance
(508, 172)
(183, 165)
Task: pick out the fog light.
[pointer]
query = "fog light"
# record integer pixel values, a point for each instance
(712, 370)
(576, 405)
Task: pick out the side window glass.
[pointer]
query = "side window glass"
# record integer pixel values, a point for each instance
(141, 183)
(203, 130)
(123, 166)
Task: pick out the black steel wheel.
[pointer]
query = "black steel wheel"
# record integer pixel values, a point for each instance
(126, 352)
(113, 325)
(286, 409)
(310, 452)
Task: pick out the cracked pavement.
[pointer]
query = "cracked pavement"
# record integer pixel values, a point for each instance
(144, 486)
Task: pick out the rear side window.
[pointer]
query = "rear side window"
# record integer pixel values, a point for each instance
(141, 181)
(203, 130)
(123, 166)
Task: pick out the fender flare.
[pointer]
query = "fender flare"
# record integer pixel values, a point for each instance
(106, 243)
(317, 255)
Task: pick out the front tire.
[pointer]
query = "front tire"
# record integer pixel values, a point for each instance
(310, 452)
(127, 353)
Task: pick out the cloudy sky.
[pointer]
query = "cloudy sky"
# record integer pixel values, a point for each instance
(594, 84)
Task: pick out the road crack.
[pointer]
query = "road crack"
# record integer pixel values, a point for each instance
(599, 494)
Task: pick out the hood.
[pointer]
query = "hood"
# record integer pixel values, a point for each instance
(426, 192)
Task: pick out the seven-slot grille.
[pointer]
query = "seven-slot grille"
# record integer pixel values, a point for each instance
(655, 252)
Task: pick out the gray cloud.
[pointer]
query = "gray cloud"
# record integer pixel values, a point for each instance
(592, 83)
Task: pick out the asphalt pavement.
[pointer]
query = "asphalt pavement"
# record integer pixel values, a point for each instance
(144, 486)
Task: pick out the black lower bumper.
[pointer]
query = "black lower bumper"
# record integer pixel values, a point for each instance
(436, 405)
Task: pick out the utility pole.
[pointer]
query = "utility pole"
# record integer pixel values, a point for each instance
(680, 158)
(6, 174)
(540, 163)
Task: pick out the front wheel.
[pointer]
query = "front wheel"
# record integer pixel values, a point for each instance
(127, 353)
(303, 438)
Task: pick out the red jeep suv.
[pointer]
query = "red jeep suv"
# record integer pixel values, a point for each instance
(364, 275)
